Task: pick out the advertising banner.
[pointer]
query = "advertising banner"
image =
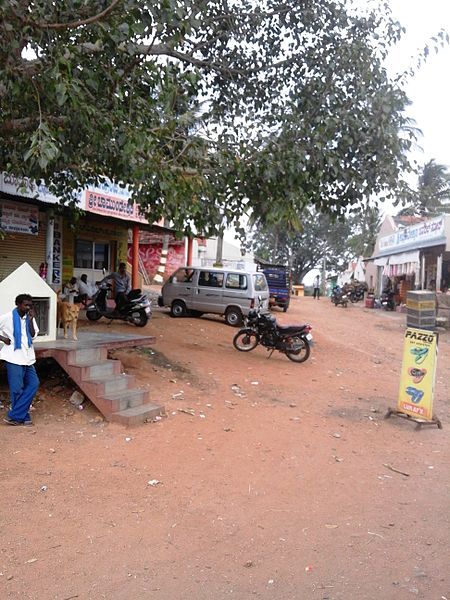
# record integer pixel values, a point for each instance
(418, 374)
(19, 218)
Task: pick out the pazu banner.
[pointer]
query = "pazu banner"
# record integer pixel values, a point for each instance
(418, 374)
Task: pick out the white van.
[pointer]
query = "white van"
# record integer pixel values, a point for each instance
(198, 290)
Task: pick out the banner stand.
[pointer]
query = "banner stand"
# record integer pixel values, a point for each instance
(417, 379)
(420, 422)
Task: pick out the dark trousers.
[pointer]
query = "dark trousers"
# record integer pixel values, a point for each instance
(23, 385)
(121, 301)
(317, 293)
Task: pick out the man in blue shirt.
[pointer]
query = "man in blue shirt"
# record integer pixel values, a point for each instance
(122, 285)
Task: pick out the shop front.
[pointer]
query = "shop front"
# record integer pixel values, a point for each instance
(415, 257)
(37, 230)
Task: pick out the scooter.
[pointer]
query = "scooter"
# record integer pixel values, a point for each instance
(387, 300)
(137, 309)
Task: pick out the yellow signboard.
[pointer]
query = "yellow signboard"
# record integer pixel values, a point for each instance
(418, 374)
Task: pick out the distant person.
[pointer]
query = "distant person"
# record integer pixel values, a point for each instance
(317, 287)
(122, 285)
(18, 328)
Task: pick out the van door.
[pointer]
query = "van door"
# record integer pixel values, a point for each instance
(208, 296)
(180, 285)
(237, 291)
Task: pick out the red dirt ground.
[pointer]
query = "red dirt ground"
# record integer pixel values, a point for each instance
(274, 489)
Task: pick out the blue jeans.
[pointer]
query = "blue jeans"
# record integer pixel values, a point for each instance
(23, 385)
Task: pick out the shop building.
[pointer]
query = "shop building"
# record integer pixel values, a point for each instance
(38, 231)
(410, 257)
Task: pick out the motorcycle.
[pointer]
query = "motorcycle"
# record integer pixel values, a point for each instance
(387, 300)
(356, 295)
(291, 340)
(338, 297)
(136, 310)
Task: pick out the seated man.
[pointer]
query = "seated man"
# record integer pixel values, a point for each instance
(85, 290)
(122, 285)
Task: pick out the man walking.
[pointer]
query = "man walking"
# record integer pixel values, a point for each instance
(18, 328)
(317, 287)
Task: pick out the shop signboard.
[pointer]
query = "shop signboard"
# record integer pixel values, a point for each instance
(28, 188)
(16, 217)
(418, 374)
(426, 233)
(57, 252)
(118, 207)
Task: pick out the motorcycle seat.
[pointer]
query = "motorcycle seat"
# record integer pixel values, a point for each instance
(290, 329)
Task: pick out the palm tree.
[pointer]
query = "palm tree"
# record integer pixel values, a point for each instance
(433, 191)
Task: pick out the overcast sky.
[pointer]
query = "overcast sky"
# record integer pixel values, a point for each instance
(429, 90)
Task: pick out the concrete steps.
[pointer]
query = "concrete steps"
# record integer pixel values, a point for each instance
(113, 392)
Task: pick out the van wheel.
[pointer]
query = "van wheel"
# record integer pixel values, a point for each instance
(233, 317)
(178, 309)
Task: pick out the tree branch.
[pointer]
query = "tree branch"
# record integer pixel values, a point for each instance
(28, 124)
(75, 24)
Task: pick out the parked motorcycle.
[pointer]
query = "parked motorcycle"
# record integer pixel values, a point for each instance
(291, 340)
(338, 297)
(137, 309)
(356, 295)
(387, 300)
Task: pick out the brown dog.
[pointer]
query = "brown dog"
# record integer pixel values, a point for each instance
(67, 314)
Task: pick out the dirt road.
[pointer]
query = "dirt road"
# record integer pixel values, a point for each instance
(276, 487)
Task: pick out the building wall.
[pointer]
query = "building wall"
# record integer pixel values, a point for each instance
(150, 255)
(373, 273)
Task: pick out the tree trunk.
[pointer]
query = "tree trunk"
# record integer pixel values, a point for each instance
(219, 250)
(159, 277)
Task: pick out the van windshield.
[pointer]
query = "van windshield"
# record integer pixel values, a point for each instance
(260, 282)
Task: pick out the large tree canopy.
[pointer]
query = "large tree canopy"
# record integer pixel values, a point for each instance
(322, 241)
(205, 108)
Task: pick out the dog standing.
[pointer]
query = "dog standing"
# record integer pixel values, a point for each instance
(67, 315)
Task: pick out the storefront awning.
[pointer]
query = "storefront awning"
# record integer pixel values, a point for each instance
(381, 262)
(404, 257)
(404, 263)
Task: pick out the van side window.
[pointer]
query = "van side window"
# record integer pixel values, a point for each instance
(210, 279)
(183, 276)
(260, 283)
(236, 281)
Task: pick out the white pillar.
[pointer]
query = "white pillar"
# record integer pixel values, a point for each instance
(422, 274)
(49, 248)
(438, 273)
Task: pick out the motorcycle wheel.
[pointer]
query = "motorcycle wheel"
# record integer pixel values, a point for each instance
(245, 340)
(353, 300)
(302, 351)
(141, 320)
(93, 315)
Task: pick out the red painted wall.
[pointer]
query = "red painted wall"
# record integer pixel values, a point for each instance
(151, 253)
